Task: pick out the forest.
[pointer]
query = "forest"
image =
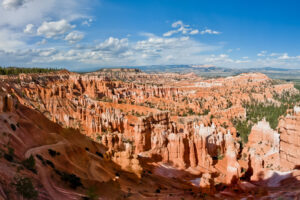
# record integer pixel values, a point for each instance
(20, 70)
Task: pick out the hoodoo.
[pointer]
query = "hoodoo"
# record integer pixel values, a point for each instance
(120, 129)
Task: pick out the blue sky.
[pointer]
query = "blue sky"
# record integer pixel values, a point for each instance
(84, 34)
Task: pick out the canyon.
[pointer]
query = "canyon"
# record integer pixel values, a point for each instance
(127, 134)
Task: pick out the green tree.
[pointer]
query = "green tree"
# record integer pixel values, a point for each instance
(25, 187)
(29, 163)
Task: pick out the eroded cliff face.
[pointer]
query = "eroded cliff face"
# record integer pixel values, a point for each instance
(262, 151)
(24, 133)
(289, 129)
(117, 111)
(269, 151)
(182, 121)
(69, 165)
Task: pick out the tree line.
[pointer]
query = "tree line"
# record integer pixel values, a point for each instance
(256, 111)
(19, 70)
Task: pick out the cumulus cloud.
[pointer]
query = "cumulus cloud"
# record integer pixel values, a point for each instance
(120, 51)
(183, 28)
(112, 48)
(284, 56)
(38, 11)
(225, 60)
(150, 50)
(74, 37)
(277, 56)
(29, 29)
(158, 50)
(186, 29)
(177, 23)
(194, 32)
(47, 19)
(12, 4)
(54, 28)
(209, 31)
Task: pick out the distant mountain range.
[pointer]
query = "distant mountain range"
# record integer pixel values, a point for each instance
(214, 71)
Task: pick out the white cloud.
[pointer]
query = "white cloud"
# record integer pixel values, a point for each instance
(284, 56)
(74, 37)
(262, 54)
(177, 23)
(43, 41)
(182, 28)
(225, 60)
(158, 50)
(118, 51)
(186, 29)
(194, 32)
(19, 21)
(280, 56)
(218, 58)
(29, 29)
(48, 52)
(242, 61)
(38, 11)
(113, 46)
(87, 22)
(12, 4)
(169, 33)
(54, 28)
(274, 54)
(10, 40)
(56, 19)
(209, 31)
(151, 50)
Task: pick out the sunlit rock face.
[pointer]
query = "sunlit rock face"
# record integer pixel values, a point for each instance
(271, 150)
(289, 129)
(262, 149)
(6, 103)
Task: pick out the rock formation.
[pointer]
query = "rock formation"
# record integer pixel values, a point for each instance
(120, 127)
(289, 129)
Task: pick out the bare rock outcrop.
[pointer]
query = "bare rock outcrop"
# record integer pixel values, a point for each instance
(289, 129)
(262, 150)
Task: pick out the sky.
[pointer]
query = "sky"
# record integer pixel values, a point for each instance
(85, 34)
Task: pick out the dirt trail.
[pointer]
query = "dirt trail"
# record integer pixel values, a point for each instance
(44, 174)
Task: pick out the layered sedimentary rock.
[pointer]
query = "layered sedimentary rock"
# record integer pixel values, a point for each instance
(269, 150)
(127, 160)
(182, 121)
(6, 103)
(68, 165)
(289, 129)
(262, 150)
